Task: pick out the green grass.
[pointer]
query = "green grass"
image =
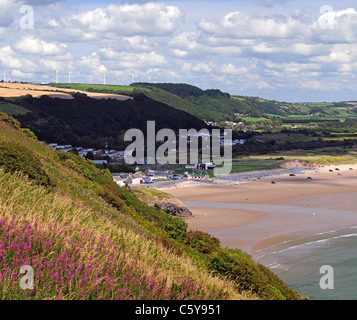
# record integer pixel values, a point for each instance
(274, 115)
(205, 107)
(253, 119)
(320, 104)
(95, 87)
(238, 98)
(247, 168)
(148, 194)
(12, 108)
(325, 156)
(249, 164)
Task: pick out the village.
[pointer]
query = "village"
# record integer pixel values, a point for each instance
(143, 176)
(163, 176)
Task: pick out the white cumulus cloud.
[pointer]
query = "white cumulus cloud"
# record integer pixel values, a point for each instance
(151, 18)
(34, 46)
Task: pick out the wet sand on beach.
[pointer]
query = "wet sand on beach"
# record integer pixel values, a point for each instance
(256, 214)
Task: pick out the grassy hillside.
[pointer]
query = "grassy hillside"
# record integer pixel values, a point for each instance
(209, 105)
(87, 238)
(11, 108)
(300, 113)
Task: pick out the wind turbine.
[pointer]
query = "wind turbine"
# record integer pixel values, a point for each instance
(132, 78)
(56, 76)
(4, 75)
(69, 77)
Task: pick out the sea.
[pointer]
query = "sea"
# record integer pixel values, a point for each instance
(322, 266)
(320, 262)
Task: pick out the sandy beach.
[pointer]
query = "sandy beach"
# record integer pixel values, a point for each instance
(256, 213)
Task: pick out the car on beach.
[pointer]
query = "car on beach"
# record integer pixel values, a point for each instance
(292, 175)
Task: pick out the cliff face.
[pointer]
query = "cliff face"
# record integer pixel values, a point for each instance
(161, 200)
(175, 210)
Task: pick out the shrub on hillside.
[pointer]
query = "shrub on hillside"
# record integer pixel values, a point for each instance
(84, 167)
(202, 241)
(241, 268)
(29, 133)
(174, 227)
(14, 157)
(9, 119)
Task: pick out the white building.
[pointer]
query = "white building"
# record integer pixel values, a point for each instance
(135, 179)
(100, 161)
(120, 181)
(201, 166)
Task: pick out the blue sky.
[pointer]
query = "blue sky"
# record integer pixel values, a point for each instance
(277, 49)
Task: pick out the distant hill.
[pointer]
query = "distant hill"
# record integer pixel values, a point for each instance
(183, 90)
(215, 105)
(208, 105)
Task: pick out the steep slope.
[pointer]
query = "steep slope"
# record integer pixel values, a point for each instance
(87, 238)
(209, 105)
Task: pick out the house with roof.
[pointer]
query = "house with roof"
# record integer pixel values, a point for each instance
(135, 179)
(120, 181)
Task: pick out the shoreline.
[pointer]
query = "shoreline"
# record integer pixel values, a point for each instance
(257, 214)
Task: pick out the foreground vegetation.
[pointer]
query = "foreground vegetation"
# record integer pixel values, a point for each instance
(87, 238)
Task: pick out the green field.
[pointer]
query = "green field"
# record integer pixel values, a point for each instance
(253, 119)
(319, 104)
(247, 168)
(325, 156)
(12, 108)
(94, 87)
(239, 98)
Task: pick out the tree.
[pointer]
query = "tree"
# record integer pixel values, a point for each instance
(90, 155)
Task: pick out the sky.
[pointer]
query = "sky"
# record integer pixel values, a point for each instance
(286, 50)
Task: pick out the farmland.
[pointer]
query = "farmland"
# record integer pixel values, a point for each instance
(95, 87)
(12, 108)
